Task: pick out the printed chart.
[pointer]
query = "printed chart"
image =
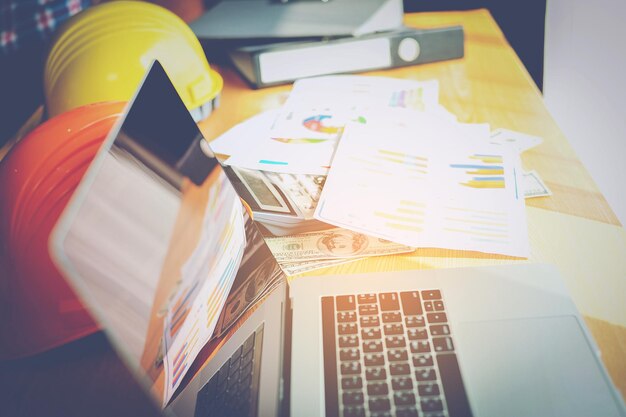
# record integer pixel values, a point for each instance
(206, 279)
(441, 192)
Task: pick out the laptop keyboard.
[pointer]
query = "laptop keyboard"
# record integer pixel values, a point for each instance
(233, 390)
(390, 354)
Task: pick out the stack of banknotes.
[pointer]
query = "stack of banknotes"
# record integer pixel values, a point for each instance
(309, 251)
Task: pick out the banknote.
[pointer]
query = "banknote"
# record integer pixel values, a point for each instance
(257, 276)
(295, 268)
(331, 244)
(534, 186)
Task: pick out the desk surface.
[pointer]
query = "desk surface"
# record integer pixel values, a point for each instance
(574, 229)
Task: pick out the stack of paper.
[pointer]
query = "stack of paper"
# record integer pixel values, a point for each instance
(400, 167)
(427, 186)
(301, 137)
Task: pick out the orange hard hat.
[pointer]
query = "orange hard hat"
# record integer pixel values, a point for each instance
(38, 309)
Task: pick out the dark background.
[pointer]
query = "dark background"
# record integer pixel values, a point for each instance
(522, 23)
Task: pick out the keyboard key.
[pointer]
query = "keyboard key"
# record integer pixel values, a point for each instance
(242, 408)
(222, 375)
(439, 330)
(411, 303)
(234, 369)
(431, 295)
(375, 374)
(417, 333)
(366, 298)
(406, 412)
(368, 310)
(345, 302)
(452, 385)
(428, 389)
(247, 358)
(372, 346)
(370, 321)
(347, 328)
(395, 355)
(349, 354)
(415, 321)
(392, 317)
(403, 398)
(237, 354)
(388, 301)
(209, 390)
(248, 344)
(374, 359)
(394, 342)
(370, 333)
(353, 398)
(351, 382)
(379, 404)
(443, 344)
(233, 380)
(426, 374)
(247, 370)
(235, 365)
(429, 307)
(393, 329)
(438, 305)
(437, 317)
(420, 361)
(350, 368)
(402, 383)
(348, 341)
(377, 388)
(419, 346)
(431, 404)
(346, 317)
(353, 411)
(399, 368)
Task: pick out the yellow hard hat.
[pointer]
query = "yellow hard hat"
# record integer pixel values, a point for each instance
(102, 53)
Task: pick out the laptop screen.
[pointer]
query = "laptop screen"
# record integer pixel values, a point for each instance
(157, 243)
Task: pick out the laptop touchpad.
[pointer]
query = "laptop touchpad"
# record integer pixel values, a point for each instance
(532, 367)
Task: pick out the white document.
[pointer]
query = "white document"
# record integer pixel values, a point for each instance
(425, 187)
(251, 145)
(301, 137)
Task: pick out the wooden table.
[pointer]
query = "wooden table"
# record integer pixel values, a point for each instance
(574, 229)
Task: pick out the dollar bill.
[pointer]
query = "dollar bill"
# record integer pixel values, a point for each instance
(257, 276)
(534, 185)
(295, 268)
(331, 244)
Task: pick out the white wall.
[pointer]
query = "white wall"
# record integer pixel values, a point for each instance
(585, 87)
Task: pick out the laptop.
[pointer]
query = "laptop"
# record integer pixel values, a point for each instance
(167, 258)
